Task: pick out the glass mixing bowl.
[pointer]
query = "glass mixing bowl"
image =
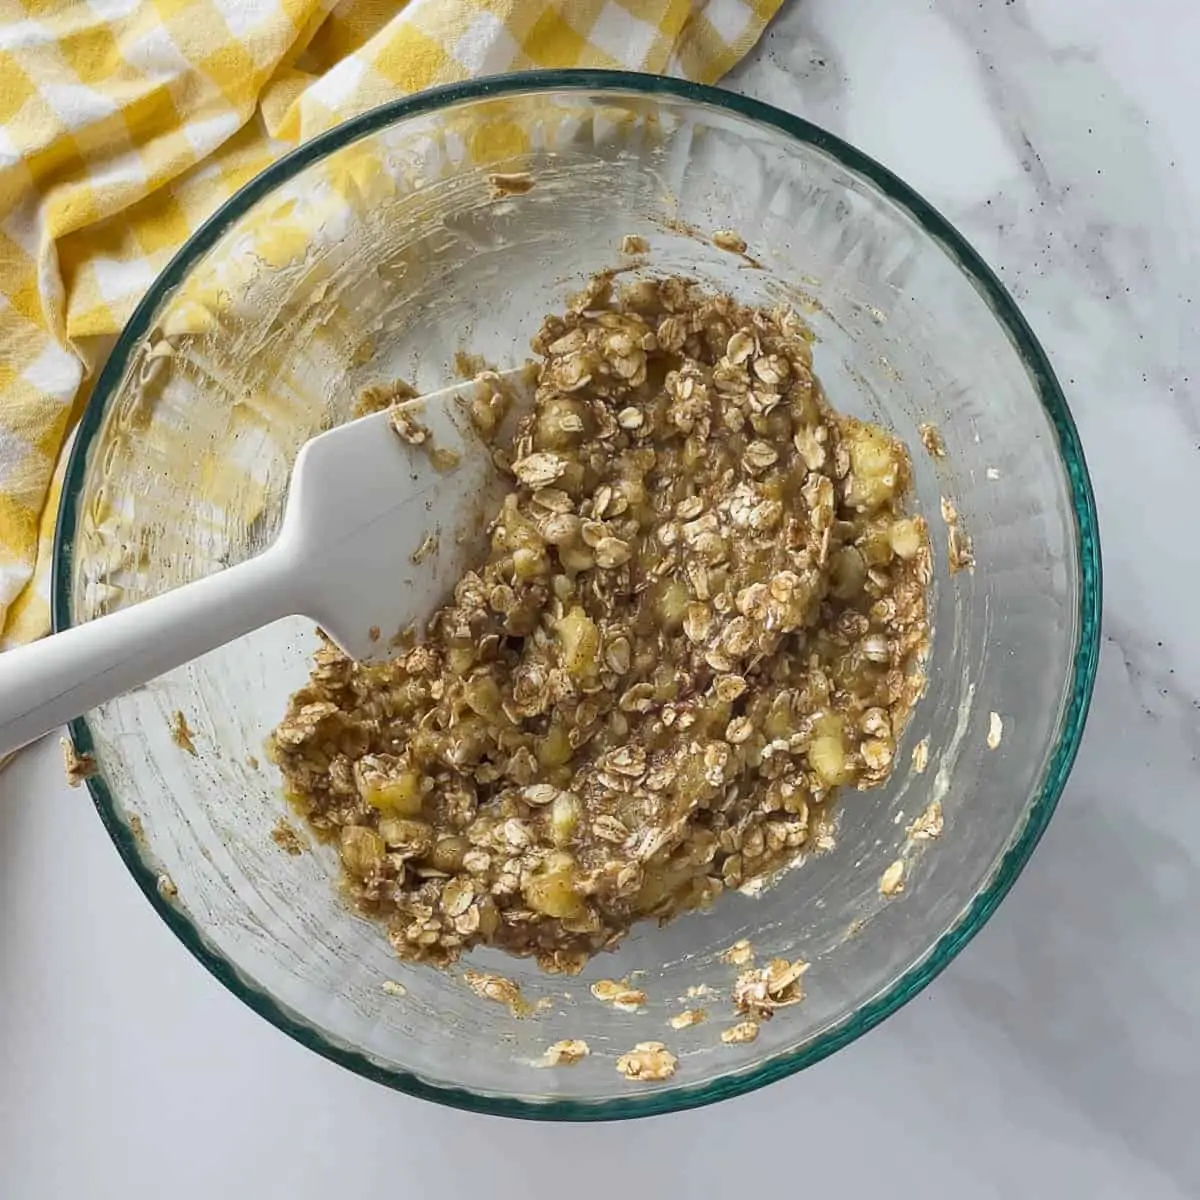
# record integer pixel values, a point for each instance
(378, 250)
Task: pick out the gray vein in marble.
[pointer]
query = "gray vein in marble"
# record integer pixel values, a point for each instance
(795, 68)
(1086, 984)
(1104, 211)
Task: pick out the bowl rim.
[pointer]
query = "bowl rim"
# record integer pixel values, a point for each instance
(1084, 663)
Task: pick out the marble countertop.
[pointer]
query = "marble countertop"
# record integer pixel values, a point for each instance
(1059, 1055)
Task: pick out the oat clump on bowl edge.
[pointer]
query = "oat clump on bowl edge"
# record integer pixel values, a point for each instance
(703, 612)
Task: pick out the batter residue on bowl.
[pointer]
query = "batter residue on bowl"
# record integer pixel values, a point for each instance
(703, 612)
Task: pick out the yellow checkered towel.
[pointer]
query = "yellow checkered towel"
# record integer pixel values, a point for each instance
(124, 123)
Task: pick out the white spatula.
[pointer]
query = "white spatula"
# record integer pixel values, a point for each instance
(376, 532)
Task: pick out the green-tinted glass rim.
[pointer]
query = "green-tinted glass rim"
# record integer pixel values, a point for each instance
(1085, 658)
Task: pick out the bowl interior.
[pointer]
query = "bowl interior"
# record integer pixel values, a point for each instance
(381, 251)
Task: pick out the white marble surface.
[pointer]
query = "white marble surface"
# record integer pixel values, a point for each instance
(1060, 1055)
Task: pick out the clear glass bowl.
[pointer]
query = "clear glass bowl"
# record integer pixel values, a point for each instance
(379, 250)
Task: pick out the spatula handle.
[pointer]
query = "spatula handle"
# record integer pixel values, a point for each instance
(50, 682)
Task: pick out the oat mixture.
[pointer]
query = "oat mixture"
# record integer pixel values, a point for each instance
(704, 611)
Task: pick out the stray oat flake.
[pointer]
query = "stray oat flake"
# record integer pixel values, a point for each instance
(727, 239)
(959, 546)
(759, 992)
(739, 954)
(995, 730)
(742, 1032)
(565, 1053)
(648, 1062)
(510, 183)
(891, 882)
(428, 546)
(502, 991)
(920, 756)
(181, 733)
(78, 766)
(288, 838)
(929, 824)
(619, 994)
(931, 439)
(406, 426)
